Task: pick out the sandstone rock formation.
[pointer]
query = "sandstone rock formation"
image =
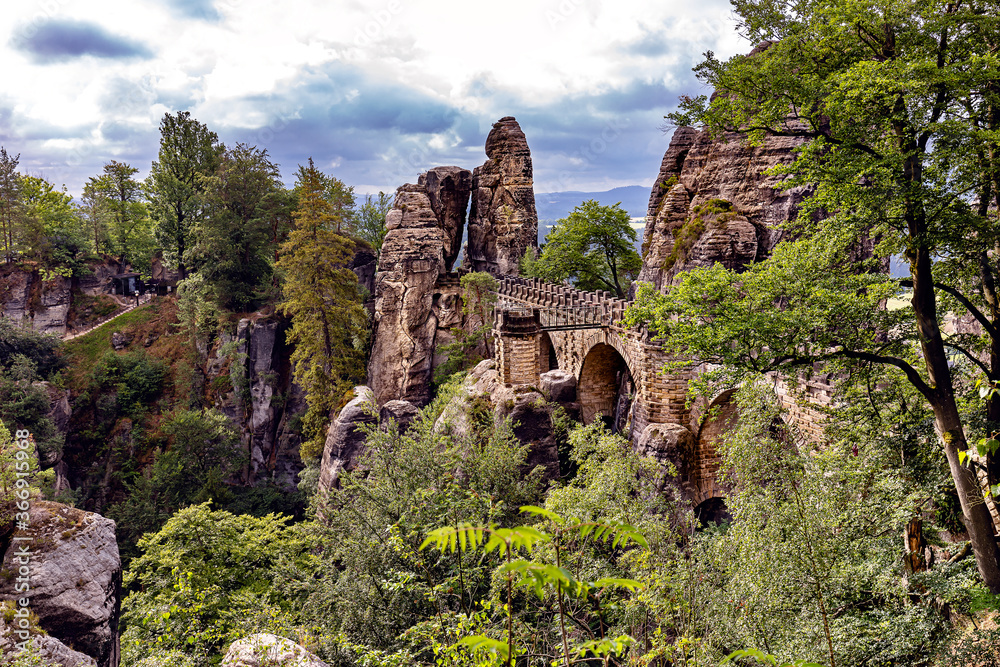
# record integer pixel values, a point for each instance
(414, 299)
(49, 650)
(43, 305)
(671, 445)
(344, 439)
(75, 578)
(503, 222)
(712, 202)
(401, 412)
(524, 405)
(267, 650)
(264, 399)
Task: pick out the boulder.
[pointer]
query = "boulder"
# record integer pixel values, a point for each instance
(75, 574)
(345, 440)
(49, 650)
(673, 447)
(119, 340)
(503, 222)
(401, 412)
(267, 650)
(558, 386)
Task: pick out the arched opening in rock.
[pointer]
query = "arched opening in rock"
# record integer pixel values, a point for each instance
(720, 416)
(547, 360)
(605, 388)
(711, 511)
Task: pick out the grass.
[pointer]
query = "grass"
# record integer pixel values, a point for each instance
(84, 352)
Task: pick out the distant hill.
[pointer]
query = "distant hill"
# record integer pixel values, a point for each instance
(552, 206)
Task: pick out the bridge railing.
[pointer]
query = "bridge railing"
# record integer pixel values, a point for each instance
(561, 306)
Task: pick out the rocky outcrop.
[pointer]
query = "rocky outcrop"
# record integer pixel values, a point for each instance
(414, 296)
(403, 413)
(673, 447)
(448, 189)
(41, 304)
(264, 399)
(267, 650)
(524, 405)
(75, 575)
(713, 202)
(345, 440)
(49, 650)
(503, 222)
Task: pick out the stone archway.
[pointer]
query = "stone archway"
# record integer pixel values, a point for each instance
(720, 416)
(547, 358)
(604, 378)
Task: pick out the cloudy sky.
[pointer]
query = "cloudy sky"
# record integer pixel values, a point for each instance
(375, 92)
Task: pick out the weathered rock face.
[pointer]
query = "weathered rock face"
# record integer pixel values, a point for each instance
(43, 305)
(671, 445)
(712, 202)
(448, 190)
(503, 222)
(267, 650)
(527, 409)
(345, 440)
(414, 297)
(401, 412)
(75, 578)
(49, 649)
(264, 400)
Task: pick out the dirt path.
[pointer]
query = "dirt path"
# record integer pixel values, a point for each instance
(144, 300)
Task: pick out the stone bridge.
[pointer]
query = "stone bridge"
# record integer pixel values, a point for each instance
(543, 326)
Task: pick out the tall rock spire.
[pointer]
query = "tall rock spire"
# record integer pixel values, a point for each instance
(503, 222)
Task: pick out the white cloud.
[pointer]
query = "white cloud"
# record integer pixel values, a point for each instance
(240, 64)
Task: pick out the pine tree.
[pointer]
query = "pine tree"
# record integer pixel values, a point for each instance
(321, 296)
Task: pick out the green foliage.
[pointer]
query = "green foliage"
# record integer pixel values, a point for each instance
(116, 201)
(57, 235)
(18, 475)
(231, 244)
(688, 234)
(204, 580)
(11, 203)
(189, 152)
(133, 378)
(371, 220)
(43, 350)
(322, 299)
(594, 247)
(896, 106)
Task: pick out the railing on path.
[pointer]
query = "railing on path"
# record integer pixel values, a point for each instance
(560, 307)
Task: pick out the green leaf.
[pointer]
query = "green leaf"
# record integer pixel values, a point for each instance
(478, 643)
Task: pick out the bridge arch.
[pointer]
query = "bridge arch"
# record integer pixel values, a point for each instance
(548, 358)
(720, 416)
(604, 375)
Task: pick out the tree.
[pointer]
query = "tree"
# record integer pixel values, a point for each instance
(900, 109)
(119, 197)
(371, 220)
(338, 196)
(11, 205)
(189, 152)
(594, 247)
(231, 243)
(322, 298)
(58, 234)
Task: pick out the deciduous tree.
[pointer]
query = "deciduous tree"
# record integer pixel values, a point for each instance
(189, 152)
(594, 247)
(898, 103)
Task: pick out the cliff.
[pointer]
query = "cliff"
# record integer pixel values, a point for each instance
(713, 201)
